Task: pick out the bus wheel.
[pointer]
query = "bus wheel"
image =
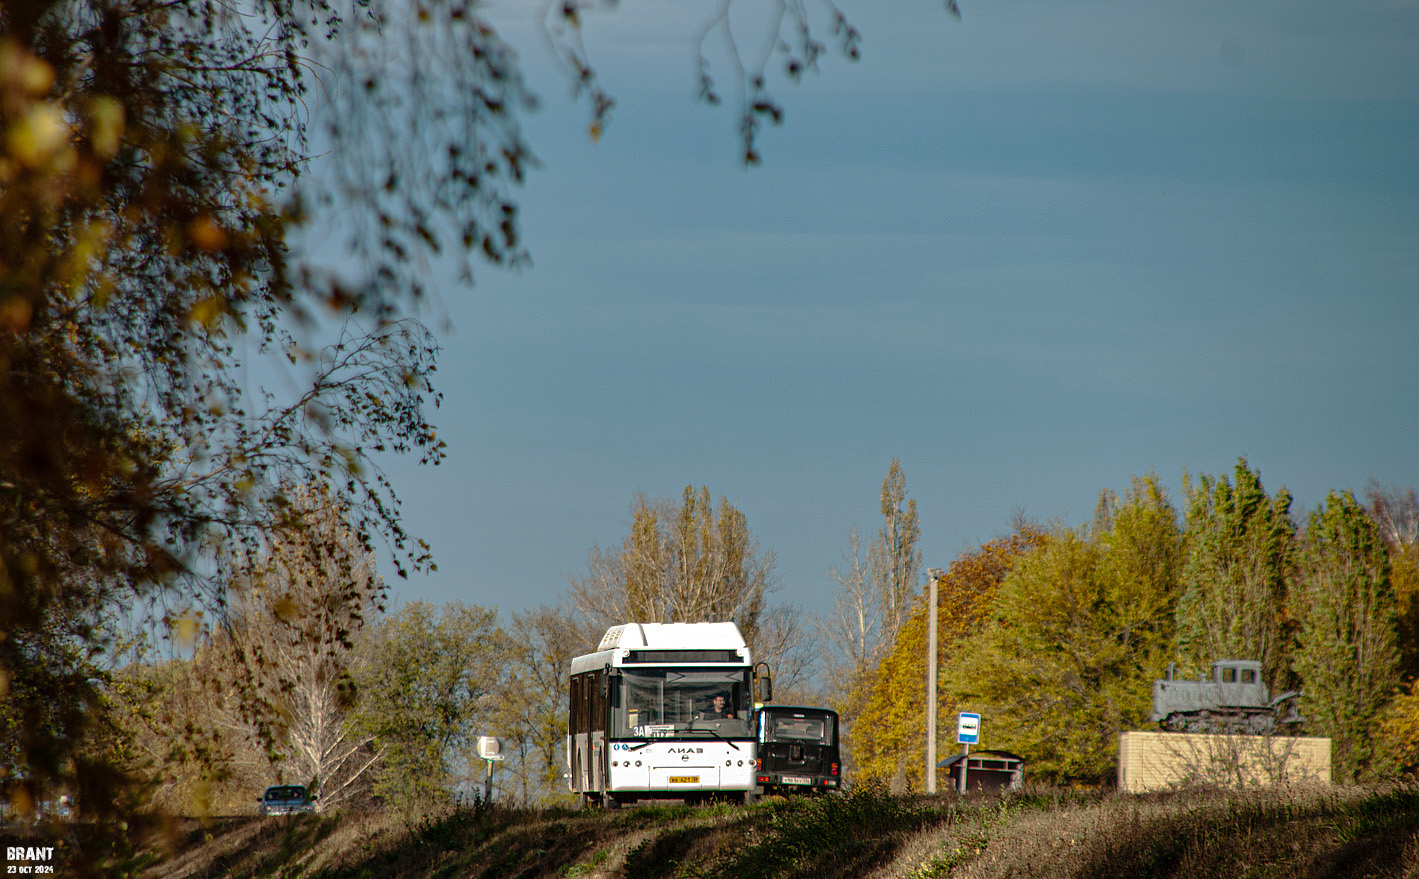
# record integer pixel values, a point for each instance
(613, 801)
(590, 801)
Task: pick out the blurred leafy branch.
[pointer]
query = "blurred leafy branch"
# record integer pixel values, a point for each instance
(158, 160)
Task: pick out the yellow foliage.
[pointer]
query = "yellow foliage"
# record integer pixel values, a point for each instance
(106, 125)
(888, 740)
(207, 311)
(1061, 667)
(1053, 637)
(1404, 577)
(33, 75)
(1398, 732)
(38, 136)
(206, 233)
(185, 629)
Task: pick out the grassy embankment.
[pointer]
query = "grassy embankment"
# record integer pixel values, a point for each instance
(1333, 833)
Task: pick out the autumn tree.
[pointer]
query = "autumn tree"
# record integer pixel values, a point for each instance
(793, 654)
(1395, 511)
(178, 728)
(852, 631)
(681, 562)
(531, 714)
(298, 607)
(266, 693)
(888, 741)
(875, 595)
(894, 559)
(1347, 652)
(429, 685)
(1396, 514)
(1075, 636)
(1239, 546)
(1397, 733)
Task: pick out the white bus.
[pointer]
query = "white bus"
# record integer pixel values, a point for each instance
(662, 710)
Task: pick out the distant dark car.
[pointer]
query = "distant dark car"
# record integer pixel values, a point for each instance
(798, 750)
(286, 799)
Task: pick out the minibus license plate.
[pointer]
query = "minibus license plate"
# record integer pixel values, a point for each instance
(796, 779)
(684, 779)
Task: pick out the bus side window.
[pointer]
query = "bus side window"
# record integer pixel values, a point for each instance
(591, 702)
(574, 707)
(598, 718)
(584, 714)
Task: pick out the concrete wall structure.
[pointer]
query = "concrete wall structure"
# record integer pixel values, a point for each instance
(1150, 761)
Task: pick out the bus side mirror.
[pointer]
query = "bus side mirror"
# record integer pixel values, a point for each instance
(765, 682)
(604, 682)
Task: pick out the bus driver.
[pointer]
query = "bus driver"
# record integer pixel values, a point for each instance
(718, 708)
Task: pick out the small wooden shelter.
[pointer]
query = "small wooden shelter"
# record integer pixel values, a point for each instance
(985, 770)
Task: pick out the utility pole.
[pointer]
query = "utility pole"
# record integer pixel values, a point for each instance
(933, 574)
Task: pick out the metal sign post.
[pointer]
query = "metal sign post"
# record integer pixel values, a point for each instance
(967, 733)
(491, 750)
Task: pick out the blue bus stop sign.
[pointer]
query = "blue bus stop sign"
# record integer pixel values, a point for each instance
(967, 728)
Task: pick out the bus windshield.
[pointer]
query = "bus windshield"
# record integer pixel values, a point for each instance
(801, 726)
(654, 703)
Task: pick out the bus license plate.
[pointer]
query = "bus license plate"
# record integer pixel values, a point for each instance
(684, 779)
(796, 779)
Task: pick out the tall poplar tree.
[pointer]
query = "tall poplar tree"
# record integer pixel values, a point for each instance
(681, 562)
(1239, 545)
(875, 598)
(894, 558)
(1347, 652)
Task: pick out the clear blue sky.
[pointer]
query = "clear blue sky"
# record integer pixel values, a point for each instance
(1030, 253)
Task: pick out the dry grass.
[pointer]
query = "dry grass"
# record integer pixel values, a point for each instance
(1350, 832)
(1301, 832)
